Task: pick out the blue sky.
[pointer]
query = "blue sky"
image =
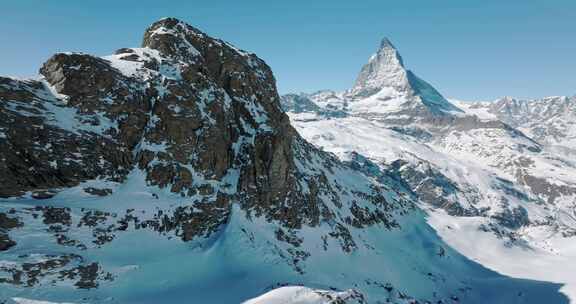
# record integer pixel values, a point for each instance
(467, 49)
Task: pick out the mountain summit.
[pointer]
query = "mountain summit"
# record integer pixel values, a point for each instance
(384, 69)
(385, 89)
(385, 77)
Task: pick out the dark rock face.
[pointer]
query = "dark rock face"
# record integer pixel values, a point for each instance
(54, 268)
(298, 104)
(432, 187)
(248, 82)
(194, 118)
(41, 148)
(7, 223)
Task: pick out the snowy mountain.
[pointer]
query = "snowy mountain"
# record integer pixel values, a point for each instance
(169, 174)
(496, 179)
(549, 120)
(384, 70)
(384, 90)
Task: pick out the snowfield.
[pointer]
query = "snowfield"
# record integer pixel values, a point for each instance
(546, 255)
(520, 262)
(300, 295)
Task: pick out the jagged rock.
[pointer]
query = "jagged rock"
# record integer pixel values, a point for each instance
(98, 191)
(193, 112)
(43, 194)
(55, 215)
(5, 242)
(7, 223)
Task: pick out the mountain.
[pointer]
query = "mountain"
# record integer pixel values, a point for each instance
(384, 70)
(169, 173)
(384, 90)
(497, 180)
(385, 78)
(549, 120)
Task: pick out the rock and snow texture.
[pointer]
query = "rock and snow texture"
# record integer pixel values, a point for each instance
(550, 120)
(498, 180)
(305, 295)
(385, 86)
(170, 174)
(384, 70)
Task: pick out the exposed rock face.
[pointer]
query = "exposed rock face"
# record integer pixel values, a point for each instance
(432, 186)
(197, 115)
(215, 97)
(7, 223)
(298, 104)
(194, 117)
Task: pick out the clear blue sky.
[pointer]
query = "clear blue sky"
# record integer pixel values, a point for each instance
(467, 49)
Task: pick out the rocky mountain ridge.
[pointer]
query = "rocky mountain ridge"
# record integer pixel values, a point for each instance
(548, 120)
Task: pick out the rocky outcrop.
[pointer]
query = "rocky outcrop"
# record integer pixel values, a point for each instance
(6, 224)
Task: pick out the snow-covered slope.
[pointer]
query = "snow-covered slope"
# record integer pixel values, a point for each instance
(479, 176)
(305, 295)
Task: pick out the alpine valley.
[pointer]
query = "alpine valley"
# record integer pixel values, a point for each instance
(175, 173)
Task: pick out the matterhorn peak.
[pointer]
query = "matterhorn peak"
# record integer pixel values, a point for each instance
(385, 77)
(384, 69)
(386, 44)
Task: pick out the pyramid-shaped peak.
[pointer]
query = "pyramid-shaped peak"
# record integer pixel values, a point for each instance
(384, 69)
(385, 75)
(386, 44)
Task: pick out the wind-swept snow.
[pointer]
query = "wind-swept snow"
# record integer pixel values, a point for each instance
(301, 295)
